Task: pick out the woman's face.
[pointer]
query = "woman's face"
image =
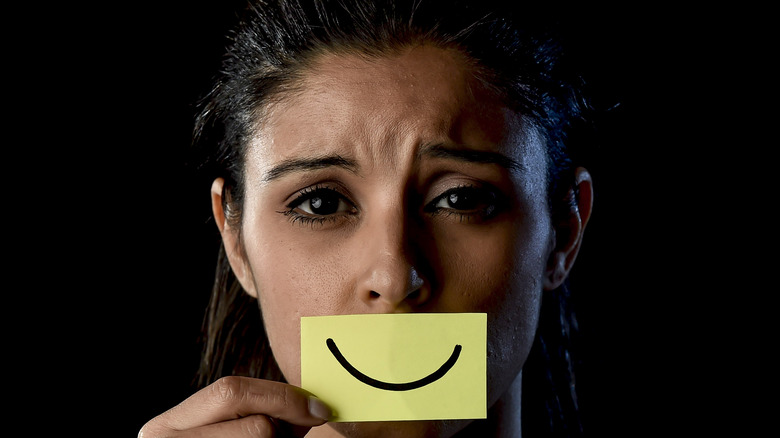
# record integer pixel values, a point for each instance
(395, 184)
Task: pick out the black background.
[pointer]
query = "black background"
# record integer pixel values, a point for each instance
(130, 248)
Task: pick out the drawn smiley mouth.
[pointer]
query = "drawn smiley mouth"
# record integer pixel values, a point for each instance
(434, 376)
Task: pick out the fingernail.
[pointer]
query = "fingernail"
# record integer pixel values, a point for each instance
(319, 409)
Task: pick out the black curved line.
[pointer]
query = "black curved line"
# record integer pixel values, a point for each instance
(434, 376)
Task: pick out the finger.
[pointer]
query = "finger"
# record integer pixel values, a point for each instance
(253, 426)
(233, 397)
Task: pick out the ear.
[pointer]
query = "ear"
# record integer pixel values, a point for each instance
(569, 229)
(230, 239)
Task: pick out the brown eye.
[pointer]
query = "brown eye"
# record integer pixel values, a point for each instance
(321, 202)
(462, 199)
(322, 205)
(466, 201)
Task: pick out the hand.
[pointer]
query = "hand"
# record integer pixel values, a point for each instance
(241, 407)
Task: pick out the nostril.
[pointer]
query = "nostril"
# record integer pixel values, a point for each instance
(414, 295)
(374, 294)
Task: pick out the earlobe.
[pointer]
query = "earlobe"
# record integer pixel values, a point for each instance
(230, 239)
(569, 230)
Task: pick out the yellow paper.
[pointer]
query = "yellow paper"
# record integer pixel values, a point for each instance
(412, 366)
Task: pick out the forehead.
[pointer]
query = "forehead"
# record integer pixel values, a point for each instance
(419, 75)
(361, 104)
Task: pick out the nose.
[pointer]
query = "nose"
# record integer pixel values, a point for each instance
(390, 280)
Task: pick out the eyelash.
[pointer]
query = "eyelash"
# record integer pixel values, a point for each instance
(490, 204)
(489, 200)
(308, 194)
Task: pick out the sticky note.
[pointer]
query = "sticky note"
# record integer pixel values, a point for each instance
(387, 367)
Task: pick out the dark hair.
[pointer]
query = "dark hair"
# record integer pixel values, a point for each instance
(515, 51)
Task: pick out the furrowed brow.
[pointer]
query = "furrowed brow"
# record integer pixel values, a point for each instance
(470, 156)
(307, 164)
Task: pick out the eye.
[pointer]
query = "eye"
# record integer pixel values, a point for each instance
(320, 201)
(466, 198)
(466, 201)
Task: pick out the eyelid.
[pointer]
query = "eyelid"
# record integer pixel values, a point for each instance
(301, 195)
(493, 203)
(442, 192)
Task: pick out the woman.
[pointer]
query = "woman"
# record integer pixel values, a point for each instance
(380, 157)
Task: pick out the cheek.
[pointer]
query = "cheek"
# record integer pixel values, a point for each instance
(294, 278)
(498, 270)
(491, 268)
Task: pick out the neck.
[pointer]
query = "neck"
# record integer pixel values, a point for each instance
(503, 419)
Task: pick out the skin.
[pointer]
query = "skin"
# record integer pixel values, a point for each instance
(393, 239)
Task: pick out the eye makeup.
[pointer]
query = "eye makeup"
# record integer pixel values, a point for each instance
(318, 204)
(324, 203)
(467, 202)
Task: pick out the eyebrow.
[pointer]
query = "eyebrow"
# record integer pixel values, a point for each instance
(435, 151)
(306, 164)
(470, 156)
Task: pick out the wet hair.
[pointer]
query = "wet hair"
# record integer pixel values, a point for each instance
(515, 51)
